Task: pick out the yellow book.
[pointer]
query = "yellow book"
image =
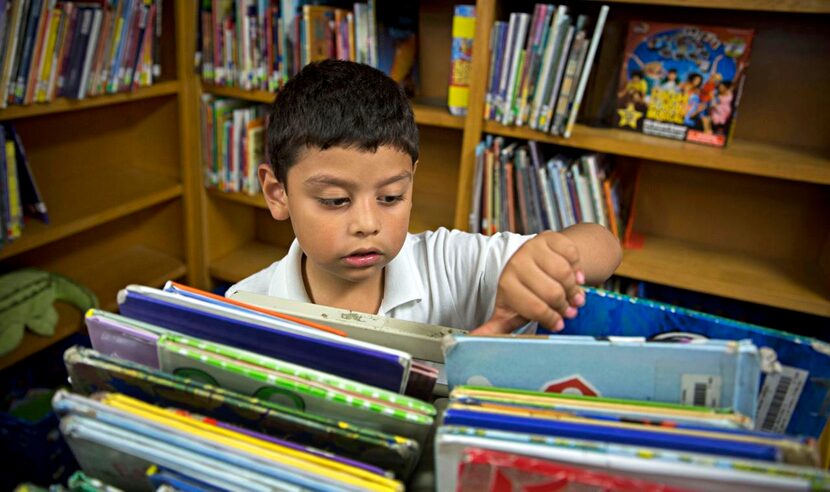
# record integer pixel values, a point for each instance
(310, 463)
(48, 56)
(15, 225)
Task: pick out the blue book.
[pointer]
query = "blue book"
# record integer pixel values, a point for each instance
(794, 400)
(647, 436)
(291, 342)
(713, 373)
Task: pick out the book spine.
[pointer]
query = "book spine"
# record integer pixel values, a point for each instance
(546, 113)
(586, 71)
(568, 83)
(516, 64)
(27, 52)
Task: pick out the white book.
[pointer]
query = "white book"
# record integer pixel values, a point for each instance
(586, 205)
(560, 59)
(543, 82)
(515, 65)
(421, 340)
(90, 51)
(547, 200)
(592, 171)
(506, 63)
(478, 181)
(565, 178)
(586, 70)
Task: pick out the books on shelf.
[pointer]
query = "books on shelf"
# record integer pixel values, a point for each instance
(233, 143)
(682, 81)
(540, 65)
(516, 189)
(19, 193)
(261, 44)
(77, 49)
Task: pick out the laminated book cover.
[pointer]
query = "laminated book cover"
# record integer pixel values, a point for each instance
(695, 471)
(295, 386)
(91, 372)
(682, 81)
(793, 396)
(713, 373)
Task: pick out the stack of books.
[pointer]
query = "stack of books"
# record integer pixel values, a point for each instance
(539, 67)
(201, 387)
(260, 45)
(253, 391)
(516, 190)
(77, 49)
(233, 143)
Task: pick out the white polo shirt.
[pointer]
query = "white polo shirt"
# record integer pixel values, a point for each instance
(441, 277)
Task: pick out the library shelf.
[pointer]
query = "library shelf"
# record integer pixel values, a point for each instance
(108, 195)
(63, 105)
(251, 200)
(426, 112)
(246, 260)
(793, 6)
(139, 264)
(740, 156)
(748, 278)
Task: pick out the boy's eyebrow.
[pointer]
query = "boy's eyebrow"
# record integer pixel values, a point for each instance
(325, 179)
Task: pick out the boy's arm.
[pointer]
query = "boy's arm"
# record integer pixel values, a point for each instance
(542, 281)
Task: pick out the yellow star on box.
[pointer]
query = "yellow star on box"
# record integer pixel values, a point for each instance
(629, 116)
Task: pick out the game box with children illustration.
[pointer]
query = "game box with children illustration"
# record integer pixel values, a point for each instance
(681, 81)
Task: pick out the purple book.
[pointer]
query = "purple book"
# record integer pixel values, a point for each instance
(124, 338)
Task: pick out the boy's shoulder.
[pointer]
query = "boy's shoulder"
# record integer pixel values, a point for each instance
(257, 283)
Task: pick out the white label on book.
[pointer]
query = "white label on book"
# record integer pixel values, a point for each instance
(702, 390)
(778, 399)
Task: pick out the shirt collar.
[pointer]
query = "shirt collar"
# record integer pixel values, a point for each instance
(402, 281)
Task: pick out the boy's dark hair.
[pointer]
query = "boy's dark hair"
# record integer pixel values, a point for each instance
(335, 103)
(638, 73)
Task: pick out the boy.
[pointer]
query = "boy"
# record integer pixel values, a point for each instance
(344, 149)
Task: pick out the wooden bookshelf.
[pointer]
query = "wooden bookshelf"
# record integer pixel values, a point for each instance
(138, 264)
(741, 156)
(115, 173)
(103, 202)
(247, 260)
(427, 112)
(251, 200)
(774, 283)
(62, 105)
(795, 6)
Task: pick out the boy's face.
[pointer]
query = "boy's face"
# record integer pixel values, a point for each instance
(349, 209)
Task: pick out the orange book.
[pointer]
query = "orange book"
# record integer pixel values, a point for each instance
(258, 309)
(511, 199)
(609, 207)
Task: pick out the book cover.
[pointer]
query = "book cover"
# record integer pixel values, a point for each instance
(682, 81)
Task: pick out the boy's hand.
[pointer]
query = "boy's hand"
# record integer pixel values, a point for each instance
(541, 282)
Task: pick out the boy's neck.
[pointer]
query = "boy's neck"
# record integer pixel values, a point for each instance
(364, 297)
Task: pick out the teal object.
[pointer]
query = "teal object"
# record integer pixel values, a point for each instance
(27, 298)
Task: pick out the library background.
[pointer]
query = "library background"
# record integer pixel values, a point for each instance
(695, 130)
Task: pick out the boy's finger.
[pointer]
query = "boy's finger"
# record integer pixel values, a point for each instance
(547, 288)
(564, 246)
(529, 305)
(558, 268)
(498, 325)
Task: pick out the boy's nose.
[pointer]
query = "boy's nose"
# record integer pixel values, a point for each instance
(364, 220)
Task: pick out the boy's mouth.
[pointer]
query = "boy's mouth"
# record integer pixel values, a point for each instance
(362, 258)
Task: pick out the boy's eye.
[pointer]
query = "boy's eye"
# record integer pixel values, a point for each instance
(388, 199)
(333, 202)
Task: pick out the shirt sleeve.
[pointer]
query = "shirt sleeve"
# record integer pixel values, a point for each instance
(473, 264)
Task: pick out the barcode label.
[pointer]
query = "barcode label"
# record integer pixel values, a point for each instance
(700, 390)
(778, 399)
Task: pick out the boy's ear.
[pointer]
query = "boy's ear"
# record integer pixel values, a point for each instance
(274, 192)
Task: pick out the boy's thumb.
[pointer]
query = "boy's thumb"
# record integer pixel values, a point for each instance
(500, 323)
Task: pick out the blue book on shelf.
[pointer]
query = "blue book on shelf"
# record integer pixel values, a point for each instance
(795, 399)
